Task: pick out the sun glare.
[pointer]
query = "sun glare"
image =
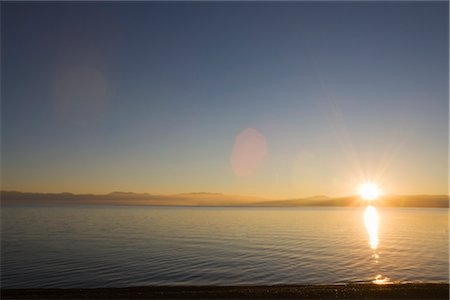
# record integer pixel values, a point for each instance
(369, 191)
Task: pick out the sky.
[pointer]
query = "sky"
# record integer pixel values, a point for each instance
(271, 99)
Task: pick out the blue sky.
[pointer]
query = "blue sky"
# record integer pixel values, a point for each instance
(153, 96)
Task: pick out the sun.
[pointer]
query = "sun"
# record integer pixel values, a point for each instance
(369, 191)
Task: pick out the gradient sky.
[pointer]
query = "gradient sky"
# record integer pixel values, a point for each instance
(269, 99)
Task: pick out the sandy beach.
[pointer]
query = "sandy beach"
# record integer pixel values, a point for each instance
(349, 291)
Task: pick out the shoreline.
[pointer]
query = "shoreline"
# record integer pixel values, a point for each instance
(345, 291)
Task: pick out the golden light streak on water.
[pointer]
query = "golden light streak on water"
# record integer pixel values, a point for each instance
(382, 280)
(371, 221)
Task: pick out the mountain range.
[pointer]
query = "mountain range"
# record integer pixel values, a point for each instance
(214, 199)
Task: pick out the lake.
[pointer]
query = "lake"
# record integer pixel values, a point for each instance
(119, 246)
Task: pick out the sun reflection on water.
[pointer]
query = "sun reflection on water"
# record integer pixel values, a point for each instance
(382, 280)
(371, 222)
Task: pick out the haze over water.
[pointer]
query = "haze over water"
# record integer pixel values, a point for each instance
(108, 246)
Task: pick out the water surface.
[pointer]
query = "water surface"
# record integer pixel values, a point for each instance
(115, 246)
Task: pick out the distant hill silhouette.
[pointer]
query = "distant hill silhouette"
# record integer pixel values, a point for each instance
(213, 199)
(354, 201)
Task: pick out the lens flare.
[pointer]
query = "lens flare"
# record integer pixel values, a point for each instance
(250, 148)
(81, 95)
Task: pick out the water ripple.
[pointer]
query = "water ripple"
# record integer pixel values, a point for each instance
(106, 247)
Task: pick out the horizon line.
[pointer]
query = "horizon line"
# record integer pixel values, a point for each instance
(215, 193)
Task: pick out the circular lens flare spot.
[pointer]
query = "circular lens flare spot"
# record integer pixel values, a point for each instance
(81, 95)
(249, 150)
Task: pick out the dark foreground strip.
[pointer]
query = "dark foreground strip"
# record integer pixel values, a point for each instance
(350, 291)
